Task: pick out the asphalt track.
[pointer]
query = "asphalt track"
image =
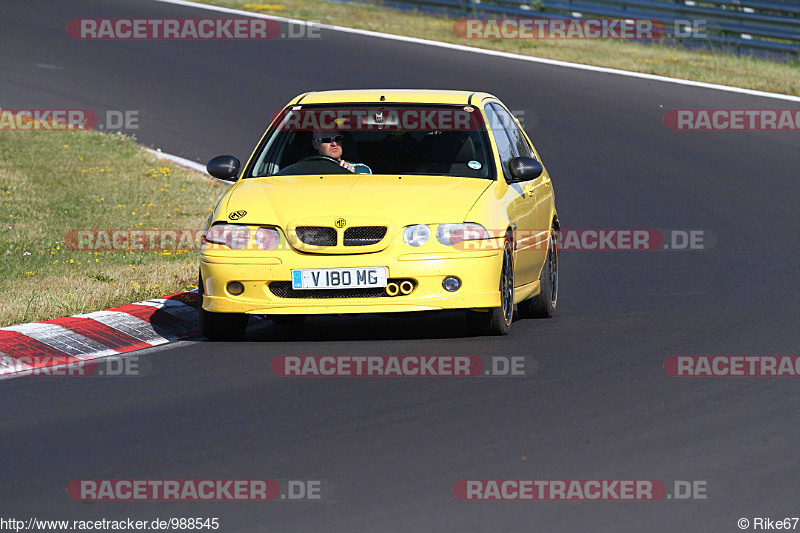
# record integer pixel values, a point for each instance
(600, 405)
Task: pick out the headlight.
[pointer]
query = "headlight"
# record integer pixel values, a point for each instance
(416, 235)
(267, 238)
(233, 236)
(452, 234)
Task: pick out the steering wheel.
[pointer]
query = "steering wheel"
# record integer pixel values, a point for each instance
(315, 164)
(319, 158)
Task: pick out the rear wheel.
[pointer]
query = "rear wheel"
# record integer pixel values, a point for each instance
(543, 305)
(221, 326)
(497, 321)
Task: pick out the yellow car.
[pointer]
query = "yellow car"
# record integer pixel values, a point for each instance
(383, 201)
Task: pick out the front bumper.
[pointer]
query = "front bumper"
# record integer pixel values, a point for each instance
(478, 270)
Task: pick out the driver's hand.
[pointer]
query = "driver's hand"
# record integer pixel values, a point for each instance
(347, 165)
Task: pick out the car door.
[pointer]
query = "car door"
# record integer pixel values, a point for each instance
(521, 199)
(539, 192)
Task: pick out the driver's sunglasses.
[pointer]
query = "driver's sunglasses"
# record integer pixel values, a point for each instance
(326, 140)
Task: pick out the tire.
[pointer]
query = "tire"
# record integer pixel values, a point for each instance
(543, 305)
(221, 326)
(287, 319)
(497, 321)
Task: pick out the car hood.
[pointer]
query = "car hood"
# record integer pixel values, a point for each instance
(288, 200)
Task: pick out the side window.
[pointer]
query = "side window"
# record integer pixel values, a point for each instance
(505, 149)
(517, 138)
(267, 162)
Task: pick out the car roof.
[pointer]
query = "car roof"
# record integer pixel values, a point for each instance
(392, 96)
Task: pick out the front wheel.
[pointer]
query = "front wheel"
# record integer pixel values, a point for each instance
(497, 321)
(221, 326)
(543, 305)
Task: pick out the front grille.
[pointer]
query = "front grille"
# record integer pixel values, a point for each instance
(364, 235)
(316, 235)
(283, 289)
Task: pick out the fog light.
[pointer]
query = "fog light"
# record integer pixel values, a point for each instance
(235, 288)
(451, 283)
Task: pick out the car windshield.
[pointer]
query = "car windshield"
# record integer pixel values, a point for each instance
(376, 139)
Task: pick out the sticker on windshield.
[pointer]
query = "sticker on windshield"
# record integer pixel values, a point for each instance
(474, 165)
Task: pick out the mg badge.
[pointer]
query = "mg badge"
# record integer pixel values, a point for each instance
(340, 223)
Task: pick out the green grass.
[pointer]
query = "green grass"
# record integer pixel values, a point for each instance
(711, 67)
(52, 182)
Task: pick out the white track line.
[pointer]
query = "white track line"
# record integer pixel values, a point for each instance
(462, 48)
(180, 160)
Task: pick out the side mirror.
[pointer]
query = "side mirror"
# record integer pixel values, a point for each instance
(524, 169)
(224, 167)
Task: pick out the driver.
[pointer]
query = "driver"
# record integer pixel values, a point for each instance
(329, 144)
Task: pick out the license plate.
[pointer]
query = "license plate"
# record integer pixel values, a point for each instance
(338, 278)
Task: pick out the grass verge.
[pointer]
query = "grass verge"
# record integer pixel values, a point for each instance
(706, 66)
(52, 182)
